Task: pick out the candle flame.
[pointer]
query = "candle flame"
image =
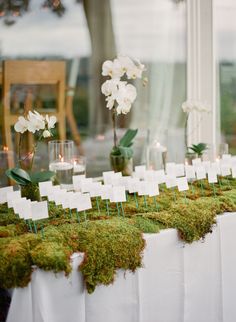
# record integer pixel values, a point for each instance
(5, 148)
(61, 158)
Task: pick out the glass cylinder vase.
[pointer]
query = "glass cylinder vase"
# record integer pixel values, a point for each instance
(61, 154)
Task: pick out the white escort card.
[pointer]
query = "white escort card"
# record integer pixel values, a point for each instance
(170, 169)
(179, 170)
(234, 171)
(153, 189)
(196, 162)
(106, 191)
(77, 180)
(139, 171)
(39, 210)
(190, 172)
(206, 165)
(160, 176)
(95, 189)
(73, 200)
(65, 200)
(133, 185)
(58, 196)
(84, 202)
(44, 188)
(24, 209)
(212, 175)
(3, 193)
(17, 204)
(200, 172)
(52, 192)
(86, 184)
(13, 195)
(182, 184)
(225, 170)
(216, 166)
(171, 181)
(118, 194)
(107, 176)
(142, 187)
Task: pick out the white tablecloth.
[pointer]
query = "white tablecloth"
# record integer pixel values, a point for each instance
(179, 283)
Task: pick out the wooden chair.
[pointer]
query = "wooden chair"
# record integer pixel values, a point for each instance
(31, 72)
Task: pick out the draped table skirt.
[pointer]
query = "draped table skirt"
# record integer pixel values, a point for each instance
(178, 283)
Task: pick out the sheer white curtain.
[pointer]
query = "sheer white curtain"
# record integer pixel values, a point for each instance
(154, 31)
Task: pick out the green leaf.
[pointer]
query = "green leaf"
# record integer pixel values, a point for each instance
(129, 135)
(20, 177)
(41, 176)
(126, 152)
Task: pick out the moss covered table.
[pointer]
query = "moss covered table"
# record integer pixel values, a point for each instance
(188, 273)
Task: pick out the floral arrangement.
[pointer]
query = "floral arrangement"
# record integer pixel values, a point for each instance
(41, 127)
(120, 95)
(193, 106)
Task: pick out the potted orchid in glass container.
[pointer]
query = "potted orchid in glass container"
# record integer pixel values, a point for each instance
(120, 95)
(190, 107)
(41, 127)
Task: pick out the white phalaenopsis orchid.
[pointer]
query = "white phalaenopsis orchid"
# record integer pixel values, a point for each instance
(119, 94)
(21, 125)
(35, 122)
(190, 106)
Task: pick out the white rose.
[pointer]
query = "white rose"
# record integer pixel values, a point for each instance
(21, 125)
(46, 134)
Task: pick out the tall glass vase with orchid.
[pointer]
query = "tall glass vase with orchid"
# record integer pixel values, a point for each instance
(120, 95)
(41, 127)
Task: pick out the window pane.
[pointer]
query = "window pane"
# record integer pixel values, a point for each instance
(225, 11)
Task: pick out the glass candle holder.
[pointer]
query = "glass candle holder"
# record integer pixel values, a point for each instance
(156, 156)
(79, 165)
(61, 161)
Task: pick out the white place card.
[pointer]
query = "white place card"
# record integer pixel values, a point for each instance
(171, 181)
(206, 165)
(226, 157)
(39, 210)
(216, 166)
(125, 182)
(149, 175)
(52, 192)
(3, 193)
(84, 202)
(190, 172)
(24, 209)
(65, 199)
(44, 188)
(140, 171)
(118, 194)
(133, 185)
(200, 172)
(160, 176)
(153, 189)
(16, 203)
(107, 176)
(182, 184)
(86, 184)
(179, 170)
(74, 199)
(12, 195)
(77, 180)
(95, 189)
(142, 187)
(212, 176)
(225, 170)
(58, 196)
(233, 171)
(117, 179)
(171, 169)
(196, 161)
(106, 191)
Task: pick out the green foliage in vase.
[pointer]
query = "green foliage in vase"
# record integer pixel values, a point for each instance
(124, 147)
(109, 242)
(23, 177)
(199, 148)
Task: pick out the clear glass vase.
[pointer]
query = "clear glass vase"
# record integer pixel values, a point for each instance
(121, 164)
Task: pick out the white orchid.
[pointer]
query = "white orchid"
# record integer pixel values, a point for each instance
(36, 122)
(112, 69)
(110, 87)
(46, 134)
(51, 121)
(21, 125)
(110, 102)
